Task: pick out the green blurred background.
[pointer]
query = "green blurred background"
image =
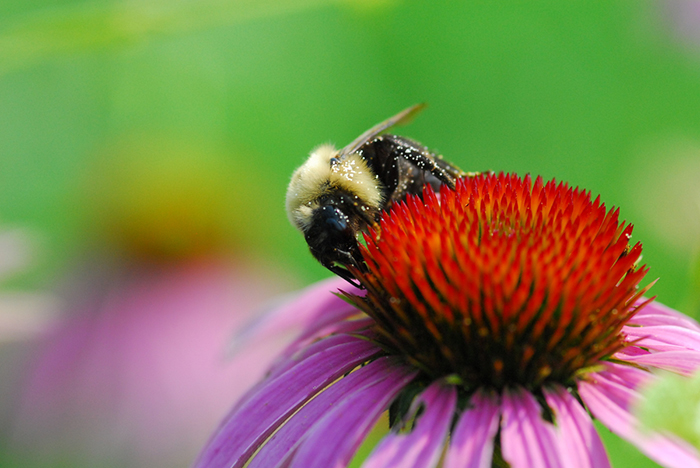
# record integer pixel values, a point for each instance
(101, 101)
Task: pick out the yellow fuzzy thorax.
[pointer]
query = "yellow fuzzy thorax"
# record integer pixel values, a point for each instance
(318, 177)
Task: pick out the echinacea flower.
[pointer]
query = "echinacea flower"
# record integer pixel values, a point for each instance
(112, 382)
(496, 320)
(144, 322)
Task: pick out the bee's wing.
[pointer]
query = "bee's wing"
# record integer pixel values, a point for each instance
(402, 118)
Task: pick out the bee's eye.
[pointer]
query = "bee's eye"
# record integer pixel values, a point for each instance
(334, 218)
(338, 224)
(334, 161)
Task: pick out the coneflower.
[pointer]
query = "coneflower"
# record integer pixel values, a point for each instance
(495, 320)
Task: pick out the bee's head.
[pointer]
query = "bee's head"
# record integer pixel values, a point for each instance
(330, 234)
(332, 237)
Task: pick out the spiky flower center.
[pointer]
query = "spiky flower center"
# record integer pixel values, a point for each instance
(501, 281)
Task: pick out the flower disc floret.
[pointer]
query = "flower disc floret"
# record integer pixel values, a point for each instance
(501, 281)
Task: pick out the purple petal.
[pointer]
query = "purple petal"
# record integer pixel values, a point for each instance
(630, 351)
(283, 443)
(684, 362)
(311, 310)
(473, 437)
(647, 320)
(335, 438)
(422, 447)
(628, 376)
(527, 440)
(271, 403)
(284, 365)
(664, 337)
(656, 313)
(577, 436)
(313, 334)
(610, 401)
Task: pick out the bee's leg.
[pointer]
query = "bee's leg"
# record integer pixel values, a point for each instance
(347, 257)
(426, 162)
(346, 275)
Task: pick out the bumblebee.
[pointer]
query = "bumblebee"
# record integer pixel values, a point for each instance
(337, 194)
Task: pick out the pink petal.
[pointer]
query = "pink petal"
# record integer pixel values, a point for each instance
(577, 436)
(527, 440)
(471, 445)
(610, 402)
(630, 351)
(310, 311)
(335, 438)
(284, 365)
(628, 376)
(671, 341)
(281, 446)
(656, 313)
(341, 325)
(267, 406)
(664, 337)
(422, 447)
(684, 362)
